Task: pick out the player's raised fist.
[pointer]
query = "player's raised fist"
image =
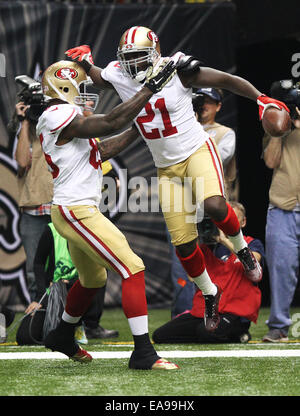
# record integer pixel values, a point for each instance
(80, 53)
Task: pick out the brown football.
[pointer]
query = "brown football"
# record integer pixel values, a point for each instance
(276, 122)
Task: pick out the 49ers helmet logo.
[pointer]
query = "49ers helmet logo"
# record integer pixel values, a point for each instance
(152, 36)
(65, 73)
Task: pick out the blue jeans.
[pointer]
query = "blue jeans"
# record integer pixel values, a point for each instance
(282, 255)
(183, 295)
(31, 229)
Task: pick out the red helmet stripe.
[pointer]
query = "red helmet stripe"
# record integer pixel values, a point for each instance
(126, 37)
(129, 37)
(133, 34)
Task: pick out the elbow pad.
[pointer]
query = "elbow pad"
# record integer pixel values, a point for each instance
(188, 64)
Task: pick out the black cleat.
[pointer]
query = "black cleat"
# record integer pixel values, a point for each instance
(57, 340)
(143, 358)
(252, 267)
(211, 315)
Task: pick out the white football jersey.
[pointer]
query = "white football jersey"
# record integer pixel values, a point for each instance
(76, 165)
(167, 122)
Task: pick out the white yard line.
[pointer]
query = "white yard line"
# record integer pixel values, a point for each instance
(167, 354)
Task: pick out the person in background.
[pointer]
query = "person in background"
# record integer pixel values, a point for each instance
(207, 103)
(283, 242)
(240, 300)
(35, 187)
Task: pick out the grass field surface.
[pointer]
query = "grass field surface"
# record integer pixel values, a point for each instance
(253, 369)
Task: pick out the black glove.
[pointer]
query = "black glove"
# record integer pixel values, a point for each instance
(160, 77)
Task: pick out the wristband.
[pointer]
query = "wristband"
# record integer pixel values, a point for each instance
(20, 117)
(85, 65)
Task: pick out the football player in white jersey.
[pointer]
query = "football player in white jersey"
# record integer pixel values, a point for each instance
(74, 158)
(179, 145)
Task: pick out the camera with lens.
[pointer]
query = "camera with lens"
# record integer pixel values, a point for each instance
(285, 90)
(32, 95)
(207, 231)
(198, 102)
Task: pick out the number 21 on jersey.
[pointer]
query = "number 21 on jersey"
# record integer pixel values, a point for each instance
(168, 130)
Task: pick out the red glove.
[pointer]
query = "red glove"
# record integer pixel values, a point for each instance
(265, 102)
(81, 53)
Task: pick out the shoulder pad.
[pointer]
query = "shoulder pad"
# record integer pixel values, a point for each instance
(188, 64)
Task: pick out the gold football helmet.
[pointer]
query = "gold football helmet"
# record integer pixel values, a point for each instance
(138, 52)
(67, 81)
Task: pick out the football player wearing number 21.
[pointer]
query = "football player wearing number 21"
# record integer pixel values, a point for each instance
(179, 145)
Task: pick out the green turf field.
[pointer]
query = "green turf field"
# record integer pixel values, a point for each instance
(215, 375)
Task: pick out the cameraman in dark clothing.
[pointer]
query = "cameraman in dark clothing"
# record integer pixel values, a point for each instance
(240, 301)
(35, 185)
(34, 179)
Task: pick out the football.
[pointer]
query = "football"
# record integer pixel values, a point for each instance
(276, 122)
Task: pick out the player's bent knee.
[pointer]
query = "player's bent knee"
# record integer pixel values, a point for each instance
(135, 265)
(216, 207)
(97, 280)
(186, 249)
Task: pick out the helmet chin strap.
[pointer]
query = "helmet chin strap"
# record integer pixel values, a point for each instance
(142, 75)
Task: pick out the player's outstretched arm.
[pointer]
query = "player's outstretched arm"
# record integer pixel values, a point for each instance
(111, 146)
(121, 115)
(209, 77)
(94, 73)
(193, 74)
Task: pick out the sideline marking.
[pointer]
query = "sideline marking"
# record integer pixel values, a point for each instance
(171, 354)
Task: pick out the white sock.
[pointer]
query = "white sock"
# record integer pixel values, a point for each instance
(70, 319)
(238, 241)
(139, 325)
(205, 284)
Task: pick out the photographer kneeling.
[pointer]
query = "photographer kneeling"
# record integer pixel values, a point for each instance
(239, 304)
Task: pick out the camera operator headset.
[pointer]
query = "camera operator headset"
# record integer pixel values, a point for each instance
(207, 103)
(34, 179)
(282, 154)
